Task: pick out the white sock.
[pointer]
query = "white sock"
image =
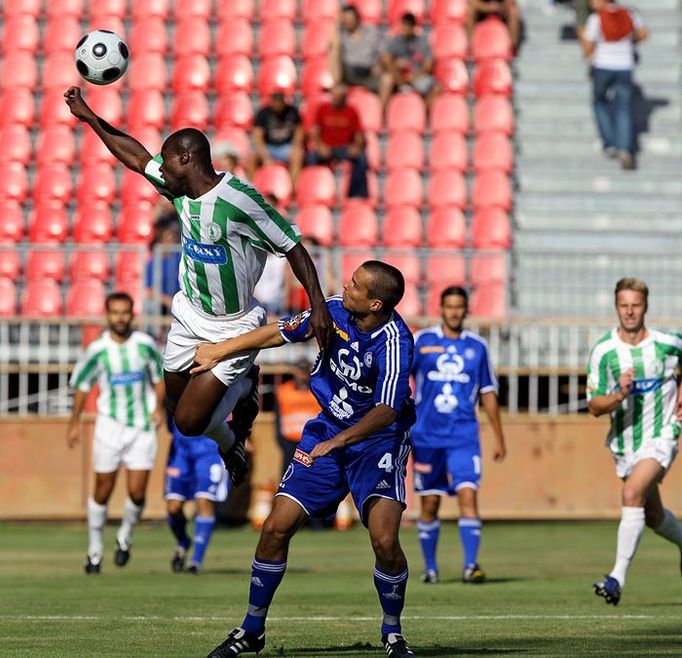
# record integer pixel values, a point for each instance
(629, 533)
(131, 515)
(218, 429)
(670, 528)
(97, 517)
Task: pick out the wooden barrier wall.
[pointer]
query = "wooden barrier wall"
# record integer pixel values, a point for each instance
(557, 468)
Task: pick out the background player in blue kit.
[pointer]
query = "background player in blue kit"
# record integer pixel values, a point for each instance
(194, 472)
(452, 371)
(358, 443)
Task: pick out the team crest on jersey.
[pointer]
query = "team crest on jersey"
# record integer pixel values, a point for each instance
(214, 232)
(469, 353)
(368, 359)
(303, 458)
(293, 323)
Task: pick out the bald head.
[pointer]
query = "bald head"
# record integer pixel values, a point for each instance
(187, 168)
(190, 141)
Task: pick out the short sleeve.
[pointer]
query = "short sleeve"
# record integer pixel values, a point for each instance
(295, 328)
(355, 120)
(155, 363)
(152, 172)
(261, 119)
(86, 370)
(597, 374)
(425, 48)
(486, 376)
(394, 362)
(592, 28)
(637, 22)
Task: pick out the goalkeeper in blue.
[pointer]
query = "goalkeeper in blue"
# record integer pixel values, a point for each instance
(359, 443)
(452, 372)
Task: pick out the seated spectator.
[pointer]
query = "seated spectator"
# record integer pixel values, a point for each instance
(408, 63)
(354, 51)
(507, 10)
(337, 135)
(164, 264)
(226, 158)
(277, 137)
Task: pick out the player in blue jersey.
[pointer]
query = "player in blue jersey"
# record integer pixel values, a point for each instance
(194, 472)
(452, 372)
(358, 443)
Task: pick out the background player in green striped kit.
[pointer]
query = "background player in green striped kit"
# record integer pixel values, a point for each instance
(632, 376)
(227, 230)
(126, 365)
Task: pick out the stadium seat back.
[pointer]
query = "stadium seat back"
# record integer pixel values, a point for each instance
(493, 151)
(316, 39)
(447, 189)
(237, 138)
(53, 110)
(68, 8)
(228, 10)
(234, 110)
(410, 305)
(449, 113)
(274, 179)
(314, 11)
(449, 152)
(403, 188)
(277, 37)
(8, 298)
(14, 181)
(448, 11)
(452, 76)
(97, 183)
(404, 151)
(352, 259)
(17, 106)
(106, 103)
(493, 114)
(191, 73)
(61, 33)
(488, 268)
(59, 72)
(88, 265)
(449, 41)
(491, 189)
(358, 226)
(368, 107)
(22, 7)
(234, 37)
(147, 71)
(192, 37)
(148, 36)
(93, 151)
(42, 298)
(489, 301)
(316, 77)
(447, 229)
(45, 264)
(316, 185)
(53, 183)
(233, 74)
(20, 33)
(492, 76)
(190, 110)
(11, 221)
(407, 262)
(10, 263)
(48, 222)
(396, 9)
(402, 227)
(118, 8)
(136, 189)
(445, 270)
(146, 107)
(136, 223)
(272, 10)
(92, 223)
(86, 298)
(16, 144)
(141, 9)
(199, 8)
(19, 70)
(491, 40)
(55, 145)
(406, 112)
(491, 229)
(316, 222)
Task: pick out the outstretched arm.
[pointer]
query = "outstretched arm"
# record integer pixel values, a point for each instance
(124, 148)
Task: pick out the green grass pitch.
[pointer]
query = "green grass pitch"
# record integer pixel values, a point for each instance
(538, 601)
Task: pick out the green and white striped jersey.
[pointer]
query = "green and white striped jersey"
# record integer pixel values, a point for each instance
(126, 374)
(226, 234)
(649, 411)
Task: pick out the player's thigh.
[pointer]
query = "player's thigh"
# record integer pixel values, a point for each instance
(430, 471)
(140, 447)
(198, 401)
(464, 465)
(108, 444)
(645, 474)
(175, 384)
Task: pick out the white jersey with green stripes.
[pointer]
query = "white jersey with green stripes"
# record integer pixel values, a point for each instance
(126, 374)
(649, 410)
(226, 235)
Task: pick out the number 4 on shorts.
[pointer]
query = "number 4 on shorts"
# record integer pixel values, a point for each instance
(386, 462)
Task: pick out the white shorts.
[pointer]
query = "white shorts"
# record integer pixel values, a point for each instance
(662, 450)
(190, 326)
(115, 444)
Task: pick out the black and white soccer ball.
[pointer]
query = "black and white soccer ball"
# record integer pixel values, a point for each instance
(102, 57)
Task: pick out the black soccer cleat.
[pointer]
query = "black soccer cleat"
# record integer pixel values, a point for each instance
(178, 560)
(473, 574)
(396, 646)
(92, 566)
(121, 554)
(238, 642)
(235, 462)
(194, 569)
(609, 588)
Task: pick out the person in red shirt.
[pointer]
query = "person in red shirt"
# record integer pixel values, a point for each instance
(337, 135)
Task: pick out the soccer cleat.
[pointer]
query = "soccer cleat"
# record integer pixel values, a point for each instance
(178, 559)
(240, 641)
(396, 646)
(93, 565)
(429, 576)
(235, 462)
(194, 569)
(121, 554)
(609, 589)
(473, 574)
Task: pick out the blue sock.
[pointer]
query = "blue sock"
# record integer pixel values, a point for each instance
(178, 525)
(203, 529)
(428, 538)
(470, 536)
(391, 590)
(266, 575)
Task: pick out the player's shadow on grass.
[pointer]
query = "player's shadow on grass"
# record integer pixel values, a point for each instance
(247, 570)
(367, 649)
(490, 581)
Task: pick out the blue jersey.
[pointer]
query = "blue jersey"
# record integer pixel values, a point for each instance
(361, 370)
(450, 374)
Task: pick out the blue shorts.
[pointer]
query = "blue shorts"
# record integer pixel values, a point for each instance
(195, 470)
(439, 471)
(372, 468)
(279, 152)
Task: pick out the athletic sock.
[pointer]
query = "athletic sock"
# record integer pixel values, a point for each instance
(203, 529)
(131, 515)
(266, 575)
(428, 538)
(222, 434)
(470, 536)
(670, 528)
(97, 517)
(178, 526)
(630, 531)
(218, 429)
(391, 590)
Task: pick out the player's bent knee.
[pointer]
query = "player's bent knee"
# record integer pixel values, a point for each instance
(386, 549)
(632, 497)
(189, 424)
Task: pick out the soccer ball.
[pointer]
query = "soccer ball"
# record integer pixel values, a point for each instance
(102, 57)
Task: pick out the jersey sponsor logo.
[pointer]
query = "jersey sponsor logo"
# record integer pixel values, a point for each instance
(429, 349)
(450, 369)
(127, 378)
(303, 458)
(348, 370)
(211, 254)
(445, 402)
(340, 332)
(642, 386)
(339, 407)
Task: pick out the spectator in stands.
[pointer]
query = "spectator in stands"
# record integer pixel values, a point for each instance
(277, 137)
(337, 135)
(166, 232)
(354, 51)
(507, 10)
(582, 11)
(609, 42)
(408, 63)
(226, 157)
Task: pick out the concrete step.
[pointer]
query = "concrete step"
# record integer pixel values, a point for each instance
(581, 146)
(568, 110)
(560, 89)
(654, 17)
(605, 182)
(602, 203)
(582, 223)
(527, 244)
(551, 125)
(664, 38)
(576, 72)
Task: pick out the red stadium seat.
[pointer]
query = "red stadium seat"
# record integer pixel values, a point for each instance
(234, 37)
(10, 264)
(228, 10)
(447, 229)
(147, 71)
(373, 151)
(46, 264)
(136, 189)
(315, 185)
(16, 144)
(452, 75)
(8, 298)
(368, 107)
(11, 221)
(148, 36)
(271, 10)
(130, 266)
(402, 227)
(18, 107)
(191, 73)
(42, 298)
(449, 152)
(316, 77)
(200, 8)
(403, 188)
(117, 8)
(136, 223)
(192, 37)
(190, 110)
(97, 183)
(277, 37)
(234, 110)
(316, 222)
(491, 229)
(404, 151)
(410, 305)
(21, 7)
(106, 103)
(491, 40)
(493, 151)
(358, 226)
(488, 268)
(396, 8)
(352, 259)
(19, 70)
(146, 107)
(449, 113)
(493, 114)
(86, 298)
(407, 262)
(48, 222)
(449, 41)
(106, 21)
(491, 189)
(489, 301)
(14, 181)
(448, 11)
(52, 183)
(59, 72)
(371, 11)
(406, 112)
(492, 77)
(149, 136)
(93, 152)
(274, 179)
(54, 111)
(142, 9)
(314, 11)
(238, 138)
(20, 33)
(92, 224)
(233, 74)
(61, 33)
(372, 187)
(316, 39)
(447, 189)
(88, 265)
(445, 270)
